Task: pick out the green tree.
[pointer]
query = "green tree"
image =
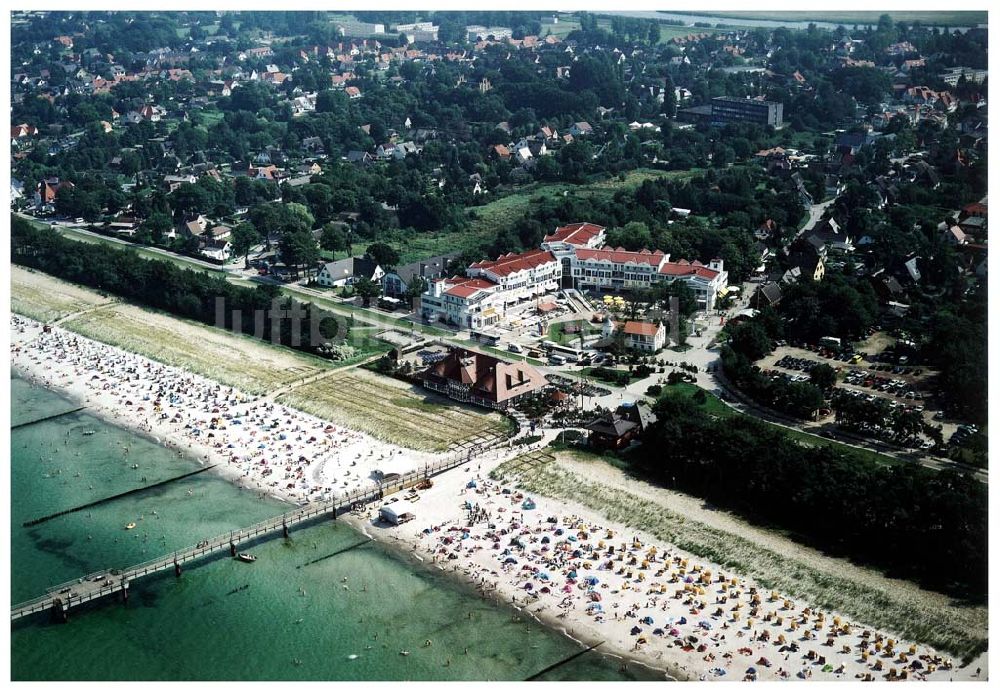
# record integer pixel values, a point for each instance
(823, 376)
(245, 237)
(333, 239)
(384, 254)
(299, 249)
(367, 290)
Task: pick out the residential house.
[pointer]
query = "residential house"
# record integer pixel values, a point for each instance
(644, 336)
(48, 189)
(581, 128)
(360, 158)
(348, 271)
(617, 429)
(397, 281)
(522, 155)
(953, 235)
(833, 237)
(23, 130)
(767, 295)
(501, 152)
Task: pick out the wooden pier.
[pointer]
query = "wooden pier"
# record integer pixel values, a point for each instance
(59, 599)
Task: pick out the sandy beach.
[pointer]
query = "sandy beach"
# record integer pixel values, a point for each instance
(602, 582)
(257, 443)
(558, 563)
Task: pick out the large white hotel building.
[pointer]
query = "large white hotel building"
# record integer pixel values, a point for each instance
(573, 256)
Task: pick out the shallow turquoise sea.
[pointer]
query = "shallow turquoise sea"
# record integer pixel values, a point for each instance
(286, 617)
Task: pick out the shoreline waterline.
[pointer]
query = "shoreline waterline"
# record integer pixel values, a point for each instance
(441, 509)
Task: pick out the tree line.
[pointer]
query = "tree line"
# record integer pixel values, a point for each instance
(912, 522)
(163, 285)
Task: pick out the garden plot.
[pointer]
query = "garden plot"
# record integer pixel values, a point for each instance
(395, 412)
(231, 359)
(773, 560)
(47, 299)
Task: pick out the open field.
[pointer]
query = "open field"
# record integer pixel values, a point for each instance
(489, 219)
(47, 299)
(851, 17)
(773, 560)
(393, 411)
(568, 24)
(236, 360)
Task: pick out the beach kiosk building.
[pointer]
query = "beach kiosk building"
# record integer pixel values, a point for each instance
(397, 513)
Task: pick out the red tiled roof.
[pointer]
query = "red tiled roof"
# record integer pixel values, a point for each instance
(621, 256)
(464, 288)
(515, 262)
(683, 268)
(638, 327)
(575, 234)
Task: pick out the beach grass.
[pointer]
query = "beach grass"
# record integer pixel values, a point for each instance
(952, 628)
(46, 299)
(231, 359)
(392, 411)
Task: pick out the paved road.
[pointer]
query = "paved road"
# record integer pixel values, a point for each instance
(699, 355)
(71, 229)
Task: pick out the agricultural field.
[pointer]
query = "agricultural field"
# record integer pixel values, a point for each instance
(775, 561)
(47, 299)
(393, 411)
(668, 32)
(858, 17)
(231, 359)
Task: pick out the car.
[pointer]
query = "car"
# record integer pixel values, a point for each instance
(98, 578)
(514, 348)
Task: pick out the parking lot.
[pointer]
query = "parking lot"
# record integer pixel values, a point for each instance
(874, 376)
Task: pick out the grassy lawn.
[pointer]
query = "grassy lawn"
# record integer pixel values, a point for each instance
(840, 586)
(392, 411)
(592, 373)
(236, 360)
(559, 336)
(501, 214)
(47, 299)
(210, 118)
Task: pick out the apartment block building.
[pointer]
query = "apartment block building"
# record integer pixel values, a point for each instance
(729, 110)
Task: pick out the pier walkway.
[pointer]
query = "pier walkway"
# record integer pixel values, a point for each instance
(60, 598)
